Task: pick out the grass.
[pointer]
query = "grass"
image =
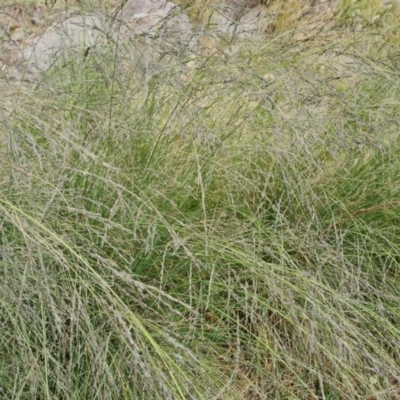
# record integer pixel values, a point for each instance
(213, 227)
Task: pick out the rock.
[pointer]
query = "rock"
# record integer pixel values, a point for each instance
(69, 37)
(240, 16)
(235, 9)
(151, 16)
(128, 9)
(169, 29)
(256, 20)
(166, 28)
(144, 30)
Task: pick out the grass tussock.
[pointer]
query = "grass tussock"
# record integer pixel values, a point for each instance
(213, 227)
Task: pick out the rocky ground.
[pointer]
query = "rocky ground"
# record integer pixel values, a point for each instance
(34, 35)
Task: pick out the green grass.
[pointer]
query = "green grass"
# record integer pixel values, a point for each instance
(183, 232)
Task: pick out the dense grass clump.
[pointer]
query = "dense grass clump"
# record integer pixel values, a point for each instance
(219, 226)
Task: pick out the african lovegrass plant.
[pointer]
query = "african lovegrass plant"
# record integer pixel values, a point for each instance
(217, 229)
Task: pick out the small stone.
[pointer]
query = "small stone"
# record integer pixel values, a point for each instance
(269, 78)
(140, 16)
(18, 35)
(36, 21)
